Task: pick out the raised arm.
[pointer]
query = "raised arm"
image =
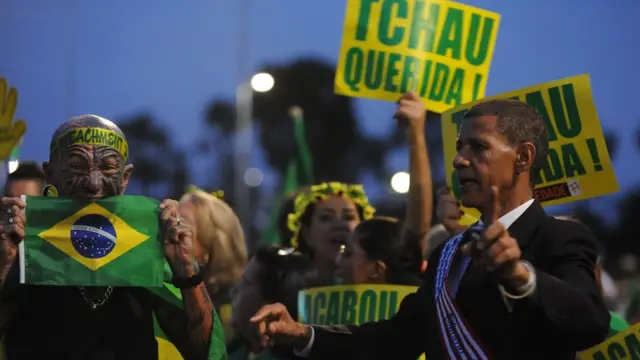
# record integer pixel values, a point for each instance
(412, 114)
(188, 328)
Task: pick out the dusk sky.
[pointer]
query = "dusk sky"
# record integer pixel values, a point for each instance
(170, 58)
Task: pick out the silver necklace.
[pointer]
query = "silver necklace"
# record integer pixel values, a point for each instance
(96, 304)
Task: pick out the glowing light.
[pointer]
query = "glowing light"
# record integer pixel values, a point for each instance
(253, 177)
(400, 182)
(262, 82)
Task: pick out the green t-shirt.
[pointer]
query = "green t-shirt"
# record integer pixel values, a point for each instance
(616, 325)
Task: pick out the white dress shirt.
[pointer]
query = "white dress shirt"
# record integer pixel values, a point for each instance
(507, 220)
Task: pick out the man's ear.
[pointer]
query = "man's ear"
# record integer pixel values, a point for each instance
(48, 172)
(525, 157)
(126, 176)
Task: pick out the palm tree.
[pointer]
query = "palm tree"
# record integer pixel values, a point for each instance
(155, 159)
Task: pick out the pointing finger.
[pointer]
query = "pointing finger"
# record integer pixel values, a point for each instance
(267, 311)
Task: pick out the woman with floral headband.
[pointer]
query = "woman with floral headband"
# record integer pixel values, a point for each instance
(323, 219)
(325, 216)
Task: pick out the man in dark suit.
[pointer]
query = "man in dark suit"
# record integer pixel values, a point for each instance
(517, 285)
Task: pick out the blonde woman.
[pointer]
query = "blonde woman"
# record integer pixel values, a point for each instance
(220, 248)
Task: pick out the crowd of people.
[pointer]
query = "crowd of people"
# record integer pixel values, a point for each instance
(519, 284)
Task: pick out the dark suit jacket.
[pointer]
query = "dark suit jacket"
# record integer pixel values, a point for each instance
(565, 314)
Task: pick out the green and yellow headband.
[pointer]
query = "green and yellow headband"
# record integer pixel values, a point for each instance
(218, 194)
(320, 192)
(92, 136)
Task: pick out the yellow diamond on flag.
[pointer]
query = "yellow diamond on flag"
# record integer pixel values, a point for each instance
(93, 236)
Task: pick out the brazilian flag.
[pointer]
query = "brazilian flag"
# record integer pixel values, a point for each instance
(109, 242)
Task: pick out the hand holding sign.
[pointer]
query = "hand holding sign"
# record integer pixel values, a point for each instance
(277, 327)
(10, 132)
(496, 248)
(411, 112)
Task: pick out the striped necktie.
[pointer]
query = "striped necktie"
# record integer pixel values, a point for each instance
(462, 261)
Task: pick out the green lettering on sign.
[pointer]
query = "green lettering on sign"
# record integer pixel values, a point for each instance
(349, 303)
(424, 27)
(386, 35)
(308, 317)
(333, 309)
(440, 77)
(451, 36)
(367, 307)
(536, 100)
(616, 351)
(552, 168)
(572, 164)
(633, 346)
(363, 19)
(320, 303)
(568, 126)
(455, 184)
(479, 57)
(375, 68)
(456, 119)
(595, 156)
(454, 92)
(353, 68)
(425, 79)
(392, 72)
(410, 74)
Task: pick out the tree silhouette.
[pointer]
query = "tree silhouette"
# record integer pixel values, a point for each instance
(157, 164)
(331, 127)
(217, 143)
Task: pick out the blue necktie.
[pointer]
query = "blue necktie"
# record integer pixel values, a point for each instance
(462, 261)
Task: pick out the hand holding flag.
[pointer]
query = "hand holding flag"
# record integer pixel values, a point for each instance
(11, 228)
(178, 240)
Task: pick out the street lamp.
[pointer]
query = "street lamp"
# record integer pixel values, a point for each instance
(400, 182)
(260, 82)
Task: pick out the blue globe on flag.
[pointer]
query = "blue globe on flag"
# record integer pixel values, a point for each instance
(93, 236)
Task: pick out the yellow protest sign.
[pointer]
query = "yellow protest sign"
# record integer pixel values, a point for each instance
(350, 304)
(440, 49)
(10, 132)
(578, 165)
(625, 345)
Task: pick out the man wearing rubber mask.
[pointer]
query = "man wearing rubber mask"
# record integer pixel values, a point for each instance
(89, 160)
